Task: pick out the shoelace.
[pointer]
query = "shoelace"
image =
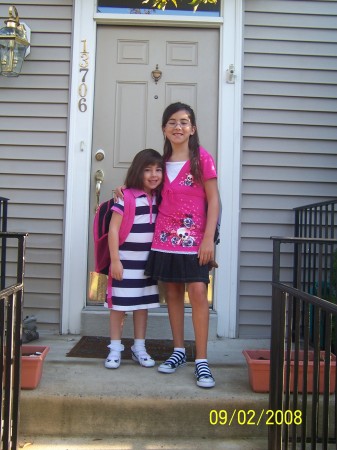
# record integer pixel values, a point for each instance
(202, 370)
(176, 358)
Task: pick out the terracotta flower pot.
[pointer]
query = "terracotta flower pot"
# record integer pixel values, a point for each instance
(259, 369)
(31, 365)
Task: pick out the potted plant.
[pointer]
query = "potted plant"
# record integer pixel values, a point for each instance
(259, 370)
(32, 357)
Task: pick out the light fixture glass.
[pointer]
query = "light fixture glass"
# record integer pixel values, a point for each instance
(13, 45)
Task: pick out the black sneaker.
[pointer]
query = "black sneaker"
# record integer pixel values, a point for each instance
(177, 359)
(204, 375)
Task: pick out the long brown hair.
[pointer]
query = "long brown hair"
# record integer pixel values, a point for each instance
(193, 142)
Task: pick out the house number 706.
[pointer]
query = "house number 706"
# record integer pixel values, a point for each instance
(84, 68)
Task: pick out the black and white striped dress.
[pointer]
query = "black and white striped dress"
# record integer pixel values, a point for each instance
(136, 291)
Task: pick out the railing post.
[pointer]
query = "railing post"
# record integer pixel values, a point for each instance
(17, 338)
(3, 228)
(276, 351)
(11, 303)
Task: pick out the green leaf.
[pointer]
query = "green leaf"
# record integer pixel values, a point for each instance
(161, 4)
(198, 2)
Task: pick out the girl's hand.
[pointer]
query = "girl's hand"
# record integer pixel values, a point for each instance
(116, 270)
(206, 251)
(118, 193)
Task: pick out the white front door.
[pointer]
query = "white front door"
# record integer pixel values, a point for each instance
(129, 99)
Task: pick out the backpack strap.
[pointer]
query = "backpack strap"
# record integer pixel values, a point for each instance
(126, 225)
(128, 215)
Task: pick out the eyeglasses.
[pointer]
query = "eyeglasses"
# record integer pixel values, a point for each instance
(184, 123)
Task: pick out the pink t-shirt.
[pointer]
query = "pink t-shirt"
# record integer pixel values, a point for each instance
(181, 219)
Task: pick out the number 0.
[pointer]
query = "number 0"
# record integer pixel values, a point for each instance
(82, 90)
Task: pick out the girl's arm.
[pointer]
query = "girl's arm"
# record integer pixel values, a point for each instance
(116, 268)
(206, 250)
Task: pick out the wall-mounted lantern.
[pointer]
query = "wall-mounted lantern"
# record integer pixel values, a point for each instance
(14, 44)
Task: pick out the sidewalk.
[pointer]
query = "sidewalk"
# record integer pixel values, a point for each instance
(138, 408)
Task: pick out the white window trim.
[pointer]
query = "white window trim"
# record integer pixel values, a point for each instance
(75, 273)
(167, 21)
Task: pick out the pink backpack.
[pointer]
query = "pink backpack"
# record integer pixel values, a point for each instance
(101, 228)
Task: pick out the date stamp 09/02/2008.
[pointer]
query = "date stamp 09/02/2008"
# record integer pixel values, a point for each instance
(251, 417)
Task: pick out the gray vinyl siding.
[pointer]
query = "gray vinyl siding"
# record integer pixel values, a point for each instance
(289, 141)
(33, 152)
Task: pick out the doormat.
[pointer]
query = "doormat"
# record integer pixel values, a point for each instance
(97, 347)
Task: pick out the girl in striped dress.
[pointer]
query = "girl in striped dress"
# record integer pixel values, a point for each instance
(131, 289)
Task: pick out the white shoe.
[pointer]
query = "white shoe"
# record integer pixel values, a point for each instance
(113, 361)
(143, 358)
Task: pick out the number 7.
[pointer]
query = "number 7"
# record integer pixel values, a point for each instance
(86, 71)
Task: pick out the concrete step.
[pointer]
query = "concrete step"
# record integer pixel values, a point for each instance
(79, 397)
(80, 443)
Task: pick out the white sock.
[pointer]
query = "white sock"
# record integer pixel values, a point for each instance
(139, 345)
(115, 344)
(180, 349)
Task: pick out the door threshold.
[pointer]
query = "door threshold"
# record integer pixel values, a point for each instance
(95, 322)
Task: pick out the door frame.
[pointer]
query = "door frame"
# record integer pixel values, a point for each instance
(76, 222)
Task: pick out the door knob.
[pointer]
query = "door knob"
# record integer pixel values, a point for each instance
(100, 155)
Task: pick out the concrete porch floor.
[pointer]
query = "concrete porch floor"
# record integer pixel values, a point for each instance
(81, 405)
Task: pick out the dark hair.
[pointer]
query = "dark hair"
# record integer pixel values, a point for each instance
(144, 158)
(193, 142)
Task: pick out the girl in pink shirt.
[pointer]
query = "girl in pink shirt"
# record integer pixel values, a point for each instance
(183, 243)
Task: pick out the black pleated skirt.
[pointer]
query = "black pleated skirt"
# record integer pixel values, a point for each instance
(176, 268)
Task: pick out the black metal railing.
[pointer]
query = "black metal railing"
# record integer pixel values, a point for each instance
(303, 375)
(317, 220)
(3, 228)
(11, 302)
